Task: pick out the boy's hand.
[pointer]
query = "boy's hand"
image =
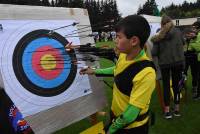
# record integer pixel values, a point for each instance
(111, 130)
(87, 70)
(69, 46)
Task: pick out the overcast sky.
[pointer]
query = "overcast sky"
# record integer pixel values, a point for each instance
(127, 7)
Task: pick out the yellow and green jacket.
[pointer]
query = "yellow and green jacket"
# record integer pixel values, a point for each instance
(139, 95)
(195, 46)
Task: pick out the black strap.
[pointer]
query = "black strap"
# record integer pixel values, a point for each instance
(123, 80)
(104, 75)
(142, 116)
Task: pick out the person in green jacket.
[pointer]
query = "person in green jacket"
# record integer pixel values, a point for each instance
(194, 45)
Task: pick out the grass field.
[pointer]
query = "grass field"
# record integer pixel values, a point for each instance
(188, 123)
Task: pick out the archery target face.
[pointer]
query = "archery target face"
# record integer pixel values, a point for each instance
(37, 72)
(42, 65)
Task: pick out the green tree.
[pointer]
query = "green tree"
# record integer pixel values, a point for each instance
(156, 11)
(76, 3)
(184, 10)
(45, 3)
(65, 3)
(52, 3)
(62, 3)
(7, 1)
(149, 8)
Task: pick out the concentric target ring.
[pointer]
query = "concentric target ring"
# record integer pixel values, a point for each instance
(42, 65)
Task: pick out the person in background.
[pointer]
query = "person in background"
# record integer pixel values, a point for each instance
(168, 48)
(194, 49)
(134, 78)
(11, 120)
(191, 58)
(1, 27)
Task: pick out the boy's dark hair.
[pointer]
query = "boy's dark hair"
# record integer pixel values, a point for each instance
(134, 25)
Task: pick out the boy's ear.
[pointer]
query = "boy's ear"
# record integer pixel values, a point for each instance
(134, 41)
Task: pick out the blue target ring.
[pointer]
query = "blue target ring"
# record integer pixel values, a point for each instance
(32, 73)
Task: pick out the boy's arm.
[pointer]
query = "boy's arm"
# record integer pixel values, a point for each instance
(98, 72)
(127, 117)
(105, 72)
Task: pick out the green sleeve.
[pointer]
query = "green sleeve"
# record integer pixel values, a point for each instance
(109, 70)
(127, 117)
(194, 44)
(198, 37)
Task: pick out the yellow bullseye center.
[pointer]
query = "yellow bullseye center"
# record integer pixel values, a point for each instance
(48, 62)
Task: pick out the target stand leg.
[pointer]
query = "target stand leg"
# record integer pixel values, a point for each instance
(159, 93)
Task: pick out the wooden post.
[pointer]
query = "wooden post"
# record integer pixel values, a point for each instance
(93, 118)
(159, 93)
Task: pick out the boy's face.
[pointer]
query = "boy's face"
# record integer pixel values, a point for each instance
(192, 33)
(123, 44)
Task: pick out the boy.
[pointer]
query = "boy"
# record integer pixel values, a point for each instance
(134, 77)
